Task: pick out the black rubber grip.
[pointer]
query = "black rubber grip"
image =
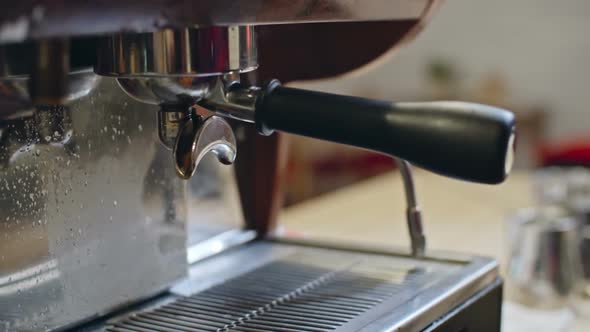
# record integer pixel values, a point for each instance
(462, 140)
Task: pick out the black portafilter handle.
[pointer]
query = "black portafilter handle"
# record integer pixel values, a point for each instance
(467, 141)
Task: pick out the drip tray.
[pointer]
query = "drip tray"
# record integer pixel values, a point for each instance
(269, 286)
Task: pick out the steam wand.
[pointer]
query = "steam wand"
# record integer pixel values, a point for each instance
(413, 212)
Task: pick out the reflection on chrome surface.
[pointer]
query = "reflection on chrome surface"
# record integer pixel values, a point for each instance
(88, 225)
(29, 278)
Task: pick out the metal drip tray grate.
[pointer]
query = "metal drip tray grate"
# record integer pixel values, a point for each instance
(308, 290)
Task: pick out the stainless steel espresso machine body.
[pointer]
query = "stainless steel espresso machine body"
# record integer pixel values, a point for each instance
(118, 211)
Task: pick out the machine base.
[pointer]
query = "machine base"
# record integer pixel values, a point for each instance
(274, 286)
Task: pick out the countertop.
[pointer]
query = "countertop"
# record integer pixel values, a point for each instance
(457, 216)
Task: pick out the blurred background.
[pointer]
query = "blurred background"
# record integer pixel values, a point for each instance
(528, 56)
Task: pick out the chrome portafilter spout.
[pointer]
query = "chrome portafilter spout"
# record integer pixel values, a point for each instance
(199, 137)
(187, 130)
(191, 132)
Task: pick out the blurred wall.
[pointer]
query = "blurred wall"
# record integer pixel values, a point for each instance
(541, 48)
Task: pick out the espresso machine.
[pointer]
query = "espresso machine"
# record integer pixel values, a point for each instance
(118, 211)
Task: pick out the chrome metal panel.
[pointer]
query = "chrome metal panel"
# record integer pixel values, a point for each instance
(47, 18)
(265, 286)
(91, 223)
(218, 243)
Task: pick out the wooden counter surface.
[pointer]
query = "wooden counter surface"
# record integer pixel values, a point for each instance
(458, 216)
